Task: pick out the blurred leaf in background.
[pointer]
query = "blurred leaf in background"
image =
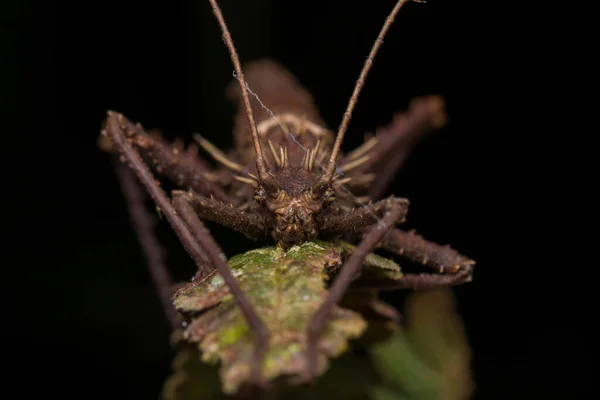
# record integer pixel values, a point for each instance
(429, 358)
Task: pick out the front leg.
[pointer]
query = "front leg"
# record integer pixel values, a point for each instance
(393, 213)
(183, 168)
(385, 153)
(143, 224)
(252, 225)
(414, 247)
(358, 219)
(193, 235)
(451, 267)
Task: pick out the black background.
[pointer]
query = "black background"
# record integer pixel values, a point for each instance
(86, 320)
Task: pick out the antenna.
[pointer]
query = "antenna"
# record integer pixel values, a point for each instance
(264, 177)
(327, 176)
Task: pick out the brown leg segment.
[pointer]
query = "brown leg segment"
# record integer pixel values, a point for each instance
(414, 247)
(357, 220)
(200, 245)
(452, 268)
(251, 225)
(419, 281)
(348, 271)
(428, 281)
(143, 224)
(387, 151)
(182, 167)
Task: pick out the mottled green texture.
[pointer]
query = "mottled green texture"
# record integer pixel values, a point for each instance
(350, 377)
(286, 288)
(426, 358)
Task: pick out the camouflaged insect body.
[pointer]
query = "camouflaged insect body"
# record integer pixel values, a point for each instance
(286, 287)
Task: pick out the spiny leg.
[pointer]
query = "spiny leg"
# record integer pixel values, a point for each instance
(418, 281)
(451, 267)
(350, 268)
(143, 224)
(386, 152)
(357, 220)
(199, 244)
(113, 129)
(253, 226)
(414, 247)
(182, 167)
(429, 281)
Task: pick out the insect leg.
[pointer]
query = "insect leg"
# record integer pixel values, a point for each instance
(350, 268)
(183, 205)
(386, 152)
(358, 219)
(428, 281)
(184, 168)
(199, 244)
(414, 247)
(251, 225)
(143, 224)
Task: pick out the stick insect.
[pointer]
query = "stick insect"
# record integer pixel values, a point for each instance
(286, 182)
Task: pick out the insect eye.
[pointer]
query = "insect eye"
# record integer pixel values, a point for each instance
(260, 195)
(329, 196)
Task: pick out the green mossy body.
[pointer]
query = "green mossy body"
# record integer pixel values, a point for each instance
(285, 287)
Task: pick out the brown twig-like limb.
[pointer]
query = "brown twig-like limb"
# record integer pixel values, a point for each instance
(200, 245)
(183, 204)
(143, 224)
(388, 171)
(330, 169)
(414, 247)
(394, 142)
(349, 270)
(115, 129)
(181, 167)
(251, 225)
(416, 281)
(265, 179)
(428, 281)
(358, 219)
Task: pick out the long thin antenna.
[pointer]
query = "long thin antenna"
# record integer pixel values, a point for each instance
(263, 175)
(330, 169)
